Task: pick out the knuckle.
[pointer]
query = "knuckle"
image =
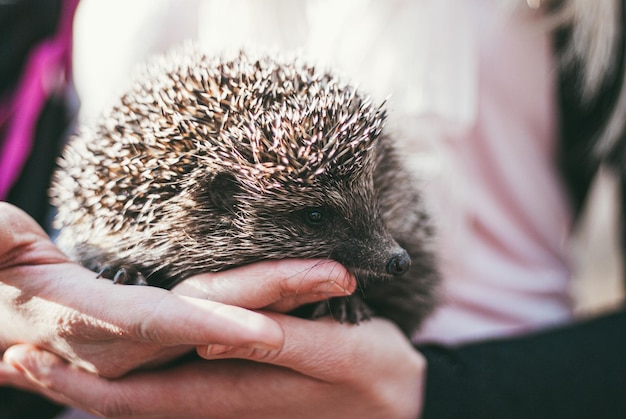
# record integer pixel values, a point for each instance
(261, 354)
(258, 354)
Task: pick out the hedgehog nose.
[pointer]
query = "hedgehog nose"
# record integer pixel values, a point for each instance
(399, 263)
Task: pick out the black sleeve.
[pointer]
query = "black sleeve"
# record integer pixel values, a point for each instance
(574, 372)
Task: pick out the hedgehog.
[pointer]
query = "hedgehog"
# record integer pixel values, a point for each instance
(210, 162)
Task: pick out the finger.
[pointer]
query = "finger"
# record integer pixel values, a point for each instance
(277, 285)
(324, 349)
(158, 316)
(154, 315)
(145, 314)
(126, 326)
(207, 321)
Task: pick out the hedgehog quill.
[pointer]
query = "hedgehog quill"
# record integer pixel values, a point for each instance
(208, 163)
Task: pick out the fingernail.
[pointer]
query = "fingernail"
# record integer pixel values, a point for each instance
(24, 366)
(331, 287)
(16, 365)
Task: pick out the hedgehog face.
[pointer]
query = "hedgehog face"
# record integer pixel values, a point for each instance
(341, 222)
(335, 219)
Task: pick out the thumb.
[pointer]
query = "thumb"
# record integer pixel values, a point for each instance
(39, 369)
(33, 362)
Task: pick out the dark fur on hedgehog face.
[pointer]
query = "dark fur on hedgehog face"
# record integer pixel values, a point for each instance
(333, 218)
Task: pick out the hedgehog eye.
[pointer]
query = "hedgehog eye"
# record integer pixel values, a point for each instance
(314, 217)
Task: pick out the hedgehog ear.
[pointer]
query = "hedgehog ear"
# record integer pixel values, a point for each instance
(223, 187)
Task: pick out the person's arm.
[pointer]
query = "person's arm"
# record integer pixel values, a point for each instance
(576, 371)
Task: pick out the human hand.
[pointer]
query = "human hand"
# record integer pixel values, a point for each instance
(324, 369)
(48, 301)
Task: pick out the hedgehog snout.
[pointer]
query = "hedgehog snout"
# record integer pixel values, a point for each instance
(399, 263)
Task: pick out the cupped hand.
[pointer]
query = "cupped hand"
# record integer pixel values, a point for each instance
(50, 302)
(324, 369)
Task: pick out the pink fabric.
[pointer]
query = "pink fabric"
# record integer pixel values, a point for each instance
(506, 219)
(48, 64)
